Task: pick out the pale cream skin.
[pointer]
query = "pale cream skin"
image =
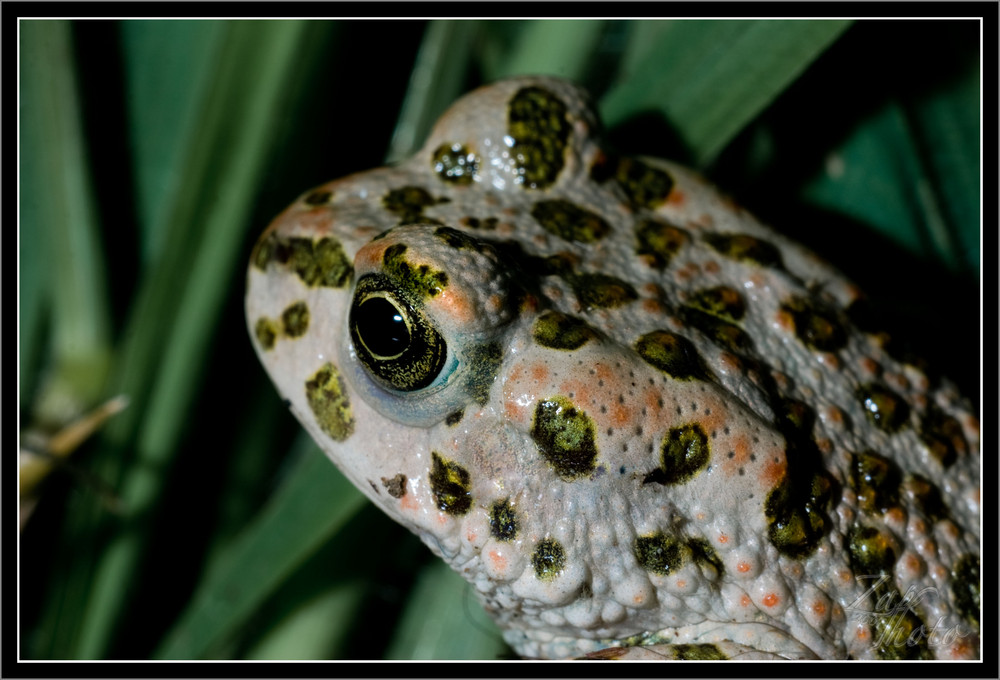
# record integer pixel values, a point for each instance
(624, 410)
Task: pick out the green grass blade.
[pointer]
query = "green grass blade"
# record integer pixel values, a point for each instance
(443, 620)
(59, 226)
(880, 176)
(312, 504)
(313, 630)
(711, 78)
(560, 47)
(175, 318)
(166, 88)
(436, 81)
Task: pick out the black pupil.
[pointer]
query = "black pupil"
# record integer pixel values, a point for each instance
(380, 325)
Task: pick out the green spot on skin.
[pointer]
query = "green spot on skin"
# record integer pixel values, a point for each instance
(450, 484)
(317, 263)
(565, 437)
(875, 480)
(698, 652)
(659, 240)
(536, 121)
(884, 408)
(454, 163)
(745, 249)
(722, 333)
(795, 513)
(461, 241)
(570, 222)
(871, 553)
(548, 559)
(601, 290)
(408, 203)
(683, 454)
(483, 363)
(327, 397)
(722, 301)
(419, 281)
(266, 332)
(503, 521)
(965, 588)
(815, 325)
(943, 436)
(556, 330)
(673, 354)
(263, 252)
(645, 186)
(898, 631)
(660, 554)
(704, 554)
(901, 635)
(928, 499)
(295, 320)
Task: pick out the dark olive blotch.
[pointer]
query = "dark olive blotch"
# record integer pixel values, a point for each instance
(327, 397)
(454, 163)
(503, 520)
(295, 319)
(548, 559)
(965, 588)
(875, 479)
(698, 652)
(565, 437)
(556, 330)
(745, 249)
(659, 240)
(600, 290)
(569, 221)
(317, 263)
(884, 408)
(266, 332)
(673, 354)
(537, 124)
(816, 325)
(943, 436)
(683, 453)
(451, 485)
(408, 203)
(659, 553)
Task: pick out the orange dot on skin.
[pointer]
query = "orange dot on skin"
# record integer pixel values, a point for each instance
(409, 502)
(676, 197)
(770, 600)
(745, 601)
(723, 538)
(819, 607)
(498, 560)
(743, 567)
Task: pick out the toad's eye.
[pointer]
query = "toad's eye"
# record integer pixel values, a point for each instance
(396, 343)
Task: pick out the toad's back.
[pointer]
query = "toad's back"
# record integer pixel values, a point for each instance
(628, 413)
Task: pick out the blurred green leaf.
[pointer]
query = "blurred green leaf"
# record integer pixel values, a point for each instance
(314, 629)
(711, 78)
(558, 47)
(58, 228)
(908, 172)
(436, 81)
(166, 87)
(443, 620)
(312, 504)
